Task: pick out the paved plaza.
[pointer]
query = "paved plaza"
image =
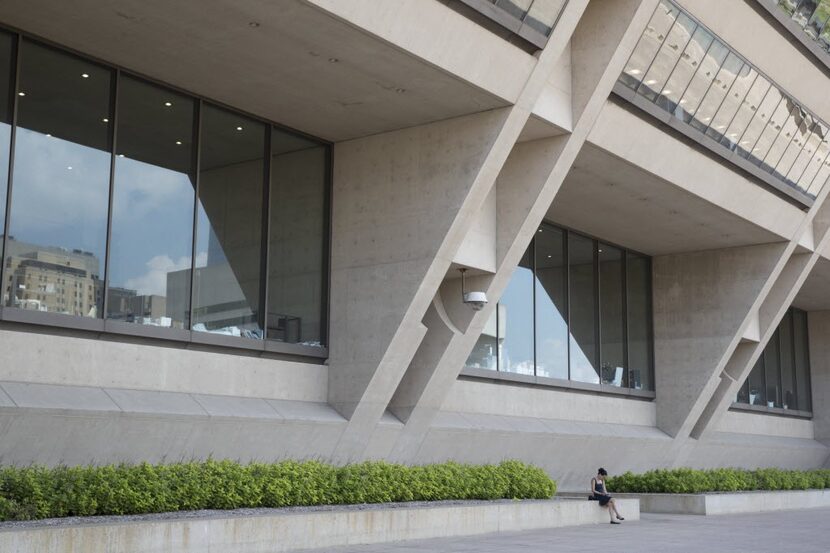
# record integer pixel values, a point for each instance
(803, 531)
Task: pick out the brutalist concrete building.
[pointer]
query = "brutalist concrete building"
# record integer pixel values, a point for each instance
(576, 233)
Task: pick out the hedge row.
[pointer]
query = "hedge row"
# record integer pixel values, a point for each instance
(38, 492)
(686, 480)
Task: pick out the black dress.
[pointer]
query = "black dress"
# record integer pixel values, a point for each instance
(599, 493)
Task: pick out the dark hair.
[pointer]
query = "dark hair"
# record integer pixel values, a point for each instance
(603, 472)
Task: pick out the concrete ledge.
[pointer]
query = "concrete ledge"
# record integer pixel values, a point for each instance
(273, 530)
(730, 503)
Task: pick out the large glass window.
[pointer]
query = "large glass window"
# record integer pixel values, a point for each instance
(297, 242)
(780, 378)
(551, 303)
(135, 203)
(228, 261)
(152, 204)
(574, 309)
(516, 312)
(58, 225)
(612, 316)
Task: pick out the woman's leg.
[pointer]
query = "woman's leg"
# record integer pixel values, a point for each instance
(612, 506)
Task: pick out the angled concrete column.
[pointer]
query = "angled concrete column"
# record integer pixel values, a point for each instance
(701, 301)
(379, 316)
(772, 302)
(534, 171)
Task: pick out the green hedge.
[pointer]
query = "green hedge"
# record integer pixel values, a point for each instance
(38, 492)
(686, 480)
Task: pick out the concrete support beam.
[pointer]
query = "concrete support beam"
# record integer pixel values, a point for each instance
(529, 181)
(700, 302)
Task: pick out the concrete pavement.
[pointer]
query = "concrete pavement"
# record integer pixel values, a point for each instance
(803, 531)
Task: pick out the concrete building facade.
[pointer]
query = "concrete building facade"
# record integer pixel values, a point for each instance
(274, 211)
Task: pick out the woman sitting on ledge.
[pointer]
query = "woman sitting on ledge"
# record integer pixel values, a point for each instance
(600, 493)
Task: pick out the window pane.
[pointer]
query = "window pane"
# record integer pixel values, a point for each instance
(551, 304)
(806, 154)
(773, 372)
(516, 312)
(649, 44)
(684, 70)
(757, 391)
(787, 362)
(801, 134)
(583, 309)
(717, 92)
(484, 353)
(802, 361)
(786, 129)
(746, 113)
(749, 148)
(152, 221)
(702, 81)
(731, 103)
(229, 228)
(61, 184)
(820, 178)
(6, 67)
(770, 133)
(818, 20)
(542, 15)
(804, 12)
(611, 316)
(638, 280)
(667, 57)
(296, 244)
(743, 393)
(815, 163)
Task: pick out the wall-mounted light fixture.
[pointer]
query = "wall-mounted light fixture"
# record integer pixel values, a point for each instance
(477, 300)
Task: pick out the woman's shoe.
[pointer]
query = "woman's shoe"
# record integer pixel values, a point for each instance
(620, 518)
(614, 522)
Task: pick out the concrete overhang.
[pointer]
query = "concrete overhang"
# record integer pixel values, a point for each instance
(815, 293)
(295, 62)
(645, 188)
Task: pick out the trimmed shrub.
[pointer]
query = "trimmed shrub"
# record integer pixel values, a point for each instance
(685, 480)
(38, 492)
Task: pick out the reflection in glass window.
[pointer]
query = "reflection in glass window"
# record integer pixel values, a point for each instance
(785, 330)
(702, 82)
(650, 42)
(516, 312)
(785, 132)
(734, 137)
(61, 184)
(807, 153)
(670, 96)
(583, 329)
(801, 346)
(781, 376)
(801, 134)
(556, 307)
(551, 304)
(228, 259)
(638, 302)
(718, 90)
(731, 103)
(611, 316)
(667, 57)
(765, 126)
(152, 220)
(296, 243)
(818, 20)
(6, 96)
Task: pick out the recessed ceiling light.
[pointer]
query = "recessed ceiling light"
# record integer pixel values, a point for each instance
(105, 120)
(167, 104)
(550, 256)
(120, 155)
(21, 93)
(667, 91)
(178, 142)
(239, 128)
(47, 134)
(85, 75)
(635, 71)
(600, 251)
(69, 167)
(650, 81)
